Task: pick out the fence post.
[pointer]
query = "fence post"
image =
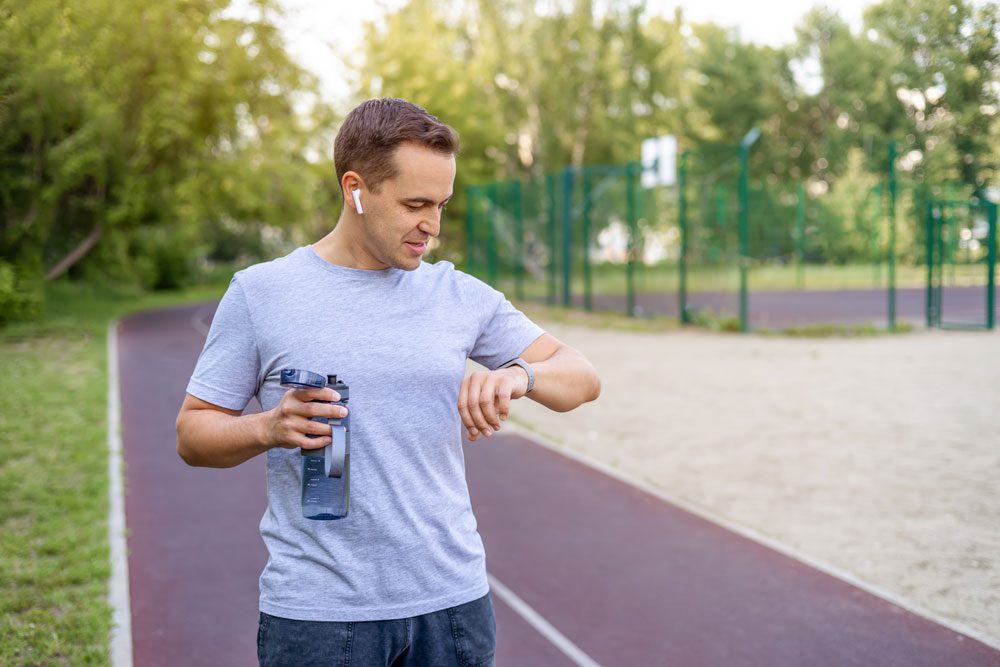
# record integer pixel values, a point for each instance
(929, 228)
(470, 225)
(567, 235)
(491, 245)
(991, 259)
(517, 207)
(587, 211)
(682, 221)
(800, 235)
(892, 236)
(550, 187)
(630, 214)
(744, 231)
(939, 216)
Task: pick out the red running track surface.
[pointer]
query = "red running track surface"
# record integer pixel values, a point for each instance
(627, 577)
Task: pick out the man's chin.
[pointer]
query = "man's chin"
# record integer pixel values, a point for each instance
(408, 263)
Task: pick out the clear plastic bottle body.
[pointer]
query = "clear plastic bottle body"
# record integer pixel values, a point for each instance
(325, 471)
(323, 498)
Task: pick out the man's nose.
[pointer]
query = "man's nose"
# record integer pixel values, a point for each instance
(431, 225)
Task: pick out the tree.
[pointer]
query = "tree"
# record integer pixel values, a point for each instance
(946, 78)
(132, 132)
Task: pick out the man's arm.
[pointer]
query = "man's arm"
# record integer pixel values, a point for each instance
(564, 379)
(216, 437)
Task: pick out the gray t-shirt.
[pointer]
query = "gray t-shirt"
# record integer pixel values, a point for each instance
(400, 340)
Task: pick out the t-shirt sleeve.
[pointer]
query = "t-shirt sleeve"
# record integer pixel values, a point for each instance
(504, 330)
(226, 372)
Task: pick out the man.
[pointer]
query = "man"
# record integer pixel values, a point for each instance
(401, 580)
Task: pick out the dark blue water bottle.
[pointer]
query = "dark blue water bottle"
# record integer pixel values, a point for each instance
(325, 472)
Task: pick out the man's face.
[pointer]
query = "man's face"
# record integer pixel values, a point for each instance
(406, 213)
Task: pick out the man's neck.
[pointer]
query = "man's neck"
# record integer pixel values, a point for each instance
(342, 248)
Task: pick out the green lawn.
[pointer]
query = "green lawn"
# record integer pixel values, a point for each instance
(611, 279)
(54, 552)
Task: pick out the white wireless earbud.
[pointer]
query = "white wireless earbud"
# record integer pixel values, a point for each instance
(357, 200)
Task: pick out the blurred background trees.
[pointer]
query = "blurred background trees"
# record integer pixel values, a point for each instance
(139, 138)
(140, 142)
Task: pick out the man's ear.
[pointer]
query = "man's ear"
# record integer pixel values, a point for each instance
(352, 184)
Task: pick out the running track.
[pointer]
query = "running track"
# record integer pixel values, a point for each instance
(624, 577)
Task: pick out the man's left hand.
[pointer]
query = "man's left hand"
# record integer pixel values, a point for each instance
(485, 396)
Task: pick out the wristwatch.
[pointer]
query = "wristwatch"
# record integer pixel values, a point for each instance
(527, 369)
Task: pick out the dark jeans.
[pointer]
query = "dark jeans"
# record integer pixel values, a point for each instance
(462, 636)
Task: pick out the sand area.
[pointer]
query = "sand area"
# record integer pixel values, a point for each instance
(878, 456)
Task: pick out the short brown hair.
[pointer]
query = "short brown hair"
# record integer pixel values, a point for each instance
(373, 131)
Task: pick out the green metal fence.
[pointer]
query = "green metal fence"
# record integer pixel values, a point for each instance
(961, 241)
(721, 246)
(563, 237)
(709, 190)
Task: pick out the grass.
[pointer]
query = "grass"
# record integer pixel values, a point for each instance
(597, 319)
(611, 279)
(54, 552)
(727, 324)
(701, 319)
(839, 330)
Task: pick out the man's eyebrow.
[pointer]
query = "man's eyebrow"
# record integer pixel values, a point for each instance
(424, 200)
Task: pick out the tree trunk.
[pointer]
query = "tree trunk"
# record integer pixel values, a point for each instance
(76, 254)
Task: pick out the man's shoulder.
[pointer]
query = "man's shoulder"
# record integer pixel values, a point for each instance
(445, 272)
(448, 270)
(264, 273)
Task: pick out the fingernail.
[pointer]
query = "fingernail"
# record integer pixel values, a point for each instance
(503, 417)
(487, 432)
(474, 431)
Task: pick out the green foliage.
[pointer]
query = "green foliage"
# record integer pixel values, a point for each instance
(577, 84)
(20, 298)
(179, 135)
(147, 124)
(846, 223)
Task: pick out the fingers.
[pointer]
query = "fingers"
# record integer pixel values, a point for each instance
(504, 390)
(305, 402)
(294, 418)
(305, 434)
(463, 409)
(484, 402)
(475, 397)
(315, 394)
(300, 430)
(312, 427)
(322, 410)
(488, 405)
(300, 440)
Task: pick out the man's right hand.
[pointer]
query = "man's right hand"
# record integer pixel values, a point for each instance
(287, 424)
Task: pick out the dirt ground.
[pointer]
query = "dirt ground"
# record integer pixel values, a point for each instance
(877, 456)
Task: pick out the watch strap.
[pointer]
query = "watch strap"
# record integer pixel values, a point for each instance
(527, 369)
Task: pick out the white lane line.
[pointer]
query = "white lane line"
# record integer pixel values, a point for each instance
(118, 594)
(538, 622)
(751, 534)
